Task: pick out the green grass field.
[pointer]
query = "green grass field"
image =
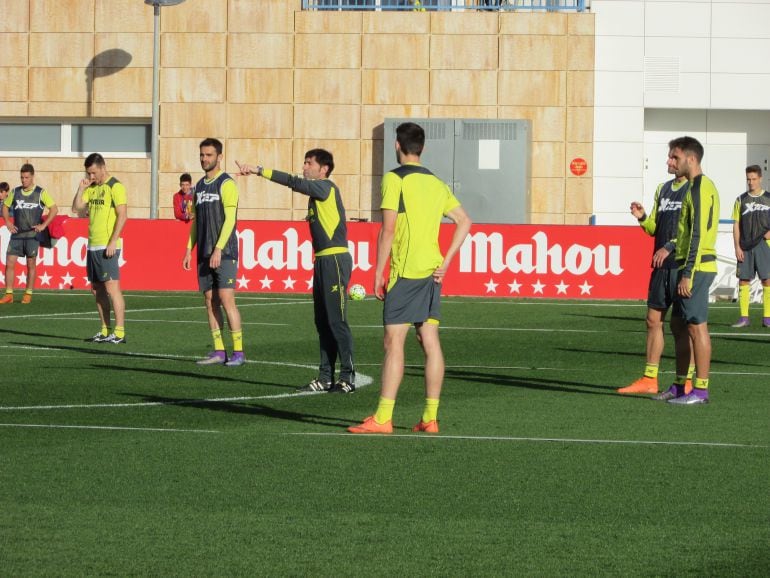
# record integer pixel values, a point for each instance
(131, 460)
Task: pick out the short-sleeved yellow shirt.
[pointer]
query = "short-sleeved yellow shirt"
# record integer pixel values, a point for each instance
(421, 200)
(102, 201)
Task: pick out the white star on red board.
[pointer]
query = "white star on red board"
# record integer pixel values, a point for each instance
(515, 286)
(45, 279)
(491, 286)
(288, 283)
(585, 288)
(561, 288)
(243, 282)
(538, 287)
(266, 282)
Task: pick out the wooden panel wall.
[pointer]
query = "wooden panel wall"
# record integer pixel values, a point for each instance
(273, 81)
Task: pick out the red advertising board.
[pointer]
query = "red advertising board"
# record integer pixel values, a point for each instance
(574, 262)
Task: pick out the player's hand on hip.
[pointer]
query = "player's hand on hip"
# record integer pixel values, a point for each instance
(739, 254)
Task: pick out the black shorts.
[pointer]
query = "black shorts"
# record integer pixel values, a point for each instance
(756, 261)
(662, 290)
(101, 269)
(223, 277)
(412, 301)
(23, 247)
(695, 308)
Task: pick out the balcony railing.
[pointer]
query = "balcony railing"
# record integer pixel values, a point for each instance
(449, 5)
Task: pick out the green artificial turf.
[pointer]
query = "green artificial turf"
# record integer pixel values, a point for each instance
(131, 460)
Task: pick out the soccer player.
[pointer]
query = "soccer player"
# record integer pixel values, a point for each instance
(662, 223)
(751, 234)
(414, 201)
(215, 213)
(102, 198)
(697, 260)
(331, 268)
(28, 202)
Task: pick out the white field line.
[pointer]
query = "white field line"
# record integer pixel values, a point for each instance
(108, 427)
(531, 439)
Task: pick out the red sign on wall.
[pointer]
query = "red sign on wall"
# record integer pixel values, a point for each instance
(578, 167)
(276, 257)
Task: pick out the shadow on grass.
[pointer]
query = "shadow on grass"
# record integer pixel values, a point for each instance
(199, 375)
(244, 408)
(540, 384)
(34, 334)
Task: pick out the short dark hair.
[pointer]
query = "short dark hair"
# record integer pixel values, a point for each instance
(27, 168)
(94, 159)
(5, 186)
(212, 142)
(185, 178)
(322, 157)
(754, 169)
(687, 144)
(411, 138)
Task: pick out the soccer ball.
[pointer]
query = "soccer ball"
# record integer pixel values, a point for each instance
(357, 292)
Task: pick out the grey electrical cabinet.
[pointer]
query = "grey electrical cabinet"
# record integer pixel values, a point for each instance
(485, 162)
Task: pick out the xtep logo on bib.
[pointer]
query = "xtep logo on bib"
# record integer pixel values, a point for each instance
(207, 198)
(22, 204)
(754, 207)
(669, 205)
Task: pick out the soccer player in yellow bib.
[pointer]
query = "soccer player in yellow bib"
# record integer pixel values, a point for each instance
(414, 201)
(102, 199)
(697, 260)
(28, 203)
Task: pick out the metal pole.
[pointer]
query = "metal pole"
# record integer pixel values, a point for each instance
(155, 113)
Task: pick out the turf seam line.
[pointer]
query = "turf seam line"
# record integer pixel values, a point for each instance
(109, 427)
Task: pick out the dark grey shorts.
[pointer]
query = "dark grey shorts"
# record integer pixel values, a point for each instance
(662, 290)
(23, 247)
(756, 261)
(223, 277)
(101, 269)
(412, 301)
(695, 308)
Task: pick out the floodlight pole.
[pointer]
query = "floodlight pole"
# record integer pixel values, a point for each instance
(156, 5)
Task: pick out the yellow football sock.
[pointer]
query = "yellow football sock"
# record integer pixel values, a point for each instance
(690, 372)
(651, 370)
(766, 301)
(219, 344)
(28, 292)
(744, 292)
(8, 291)
(237, 340)
(120, 332)
(105, 330)
(430, 413)
(384, 411)
(701, 383)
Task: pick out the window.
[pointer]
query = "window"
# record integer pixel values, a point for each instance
(75, 139)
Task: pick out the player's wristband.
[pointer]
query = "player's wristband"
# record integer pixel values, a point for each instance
(259, 170)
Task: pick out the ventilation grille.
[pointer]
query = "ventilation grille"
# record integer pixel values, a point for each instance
(488, 131)
(661, 74)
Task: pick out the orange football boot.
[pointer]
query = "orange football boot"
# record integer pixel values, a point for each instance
(429, 427)
(643, 385)
(370, 426)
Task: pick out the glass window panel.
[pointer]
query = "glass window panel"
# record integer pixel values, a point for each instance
(111, 138)
(30, 137)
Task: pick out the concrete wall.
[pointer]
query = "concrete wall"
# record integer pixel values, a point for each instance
(273, 81)
(665, 68)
